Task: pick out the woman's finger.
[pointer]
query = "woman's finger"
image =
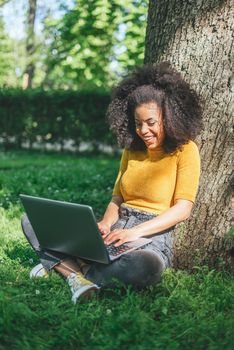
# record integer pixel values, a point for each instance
(113, 236)
(120, 242)
(104, 235)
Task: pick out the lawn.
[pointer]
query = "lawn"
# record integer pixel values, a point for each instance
(184, 311)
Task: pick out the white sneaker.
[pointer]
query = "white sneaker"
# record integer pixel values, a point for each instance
(80, 286)
(38, 271)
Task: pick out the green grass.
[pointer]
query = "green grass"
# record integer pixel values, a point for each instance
(184, 311)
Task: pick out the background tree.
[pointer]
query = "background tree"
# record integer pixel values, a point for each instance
(30, 45)
(196, 36)
(3, 2)
(6, 59)
(88, 39)
(83, 44)
(131, 47)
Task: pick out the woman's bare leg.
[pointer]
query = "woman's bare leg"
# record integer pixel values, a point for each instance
(65, 268)
(79, 285)
(71, 265)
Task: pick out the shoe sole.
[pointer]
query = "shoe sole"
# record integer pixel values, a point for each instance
(86, 295)
(35, 272)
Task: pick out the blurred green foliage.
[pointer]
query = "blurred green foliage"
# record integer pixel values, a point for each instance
(86, 41)
(92, 44)
(54, 117)
(6, 61)
(83, 180)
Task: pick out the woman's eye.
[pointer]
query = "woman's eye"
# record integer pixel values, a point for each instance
(151, 123)
(139, 125)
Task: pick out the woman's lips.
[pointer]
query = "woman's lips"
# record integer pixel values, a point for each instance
(149, 139)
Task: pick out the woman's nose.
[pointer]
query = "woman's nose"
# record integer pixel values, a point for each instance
(144, 128)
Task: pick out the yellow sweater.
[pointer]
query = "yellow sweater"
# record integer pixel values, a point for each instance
(153, 180)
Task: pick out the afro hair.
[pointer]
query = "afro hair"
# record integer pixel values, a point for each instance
(162, 84)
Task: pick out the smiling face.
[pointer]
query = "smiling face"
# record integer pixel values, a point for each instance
(149, 124)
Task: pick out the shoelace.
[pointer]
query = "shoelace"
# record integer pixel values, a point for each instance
(81, 279)
(78, 276)
(76, 281)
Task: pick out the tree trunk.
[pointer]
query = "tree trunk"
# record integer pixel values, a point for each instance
(196, 37)
(30, 46)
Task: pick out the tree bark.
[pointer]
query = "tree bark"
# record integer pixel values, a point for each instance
(30, 46)
(196, 37)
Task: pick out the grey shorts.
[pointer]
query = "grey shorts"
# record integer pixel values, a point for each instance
(162, 243)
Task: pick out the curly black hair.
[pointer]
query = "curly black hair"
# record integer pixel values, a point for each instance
(160, 83)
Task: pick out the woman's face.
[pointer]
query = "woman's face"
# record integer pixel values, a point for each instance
(149, 125)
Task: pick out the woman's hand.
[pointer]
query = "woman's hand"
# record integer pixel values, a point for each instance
(121, 236)
(104, 227)
(111, 215)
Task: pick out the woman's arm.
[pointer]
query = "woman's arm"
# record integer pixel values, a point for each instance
(111, 215)
(172, 216)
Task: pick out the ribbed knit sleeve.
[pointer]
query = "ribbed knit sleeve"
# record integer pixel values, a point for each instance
(122, 168)
(188, 172)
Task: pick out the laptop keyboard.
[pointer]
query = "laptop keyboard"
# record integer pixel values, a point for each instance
(112, 250)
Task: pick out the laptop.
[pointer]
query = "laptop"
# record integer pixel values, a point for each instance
(72, 229)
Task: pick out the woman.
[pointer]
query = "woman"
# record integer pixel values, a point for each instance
(156, 116)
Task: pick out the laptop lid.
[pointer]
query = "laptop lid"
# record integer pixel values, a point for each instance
(51, 219)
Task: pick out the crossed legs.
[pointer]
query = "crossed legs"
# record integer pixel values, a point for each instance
(139, 268)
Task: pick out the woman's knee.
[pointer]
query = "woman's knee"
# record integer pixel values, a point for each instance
(139, 269)
(29, 232)
(144, 268)
(24, 219)
(25, 224)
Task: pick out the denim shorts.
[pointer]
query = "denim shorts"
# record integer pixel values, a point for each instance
(162, 243)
